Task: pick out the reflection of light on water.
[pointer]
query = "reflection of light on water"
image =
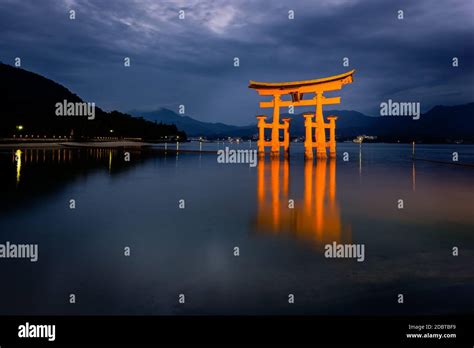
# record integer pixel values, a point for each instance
(413, 174)
(316, 217)
(18, 165)
(110, 160)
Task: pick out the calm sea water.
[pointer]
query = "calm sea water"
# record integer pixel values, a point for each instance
(191, 251)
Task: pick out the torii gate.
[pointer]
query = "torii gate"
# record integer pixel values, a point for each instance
(296, 90)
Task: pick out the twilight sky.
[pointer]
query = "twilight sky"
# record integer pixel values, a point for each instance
(190, 61)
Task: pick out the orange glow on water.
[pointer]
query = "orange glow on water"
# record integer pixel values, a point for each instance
(315, 216)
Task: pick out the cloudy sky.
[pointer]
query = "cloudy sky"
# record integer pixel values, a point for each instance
(191, 61)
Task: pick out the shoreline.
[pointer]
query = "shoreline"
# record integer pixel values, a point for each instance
(128, 143)
(101, 145)
(57, 144)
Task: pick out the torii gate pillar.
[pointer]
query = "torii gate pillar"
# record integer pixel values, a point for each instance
(276, 126)
(308, 142)
(261, 133)
(286, 135)
(320, 131)
(332, 136)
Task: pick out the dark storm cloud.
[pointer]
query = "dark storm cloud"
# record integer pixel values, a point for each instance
(190, 61)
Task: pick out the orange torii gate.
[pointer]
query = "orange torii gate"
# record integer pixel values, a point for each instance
(296, 90)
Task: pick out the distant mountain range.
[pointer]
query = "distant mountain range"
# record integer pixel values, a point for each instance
(191, 126)
(440, 124)
(29, 100)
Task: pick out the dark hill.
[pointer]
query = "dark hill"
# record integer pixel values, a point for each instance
(29, 99)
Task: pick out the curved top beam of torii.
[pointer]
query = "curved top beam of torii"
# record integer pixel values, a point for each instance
(307, 85)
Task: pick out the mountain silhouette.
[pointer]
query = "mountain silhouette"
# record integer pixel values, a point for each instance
(440, 124)
(29, 100)
(191, 126)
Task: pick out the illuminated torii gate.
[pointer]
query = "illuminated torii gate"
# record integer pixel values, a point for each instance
(296, 90)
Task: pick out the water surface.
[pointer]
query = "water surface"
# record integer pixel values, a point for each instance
(191, 250)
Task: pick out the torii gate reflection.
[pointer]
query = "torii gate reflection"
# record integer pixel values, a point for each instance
(315, 218)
